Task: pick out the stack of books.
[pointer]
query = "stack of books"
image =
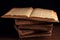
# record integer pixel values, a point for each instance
(32, 22)
(29, 28)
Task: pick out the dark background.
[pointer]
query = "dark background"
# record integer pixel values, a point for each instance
(6, 25)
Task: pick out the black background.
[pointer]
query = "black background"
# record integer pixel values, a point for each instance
(6, 25)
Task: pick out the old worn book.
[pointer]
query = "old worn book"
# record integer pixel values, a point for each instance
(25, 32)
(35, 27)
(25, 22)
(34, 34)
(29, 22)
(32, 14)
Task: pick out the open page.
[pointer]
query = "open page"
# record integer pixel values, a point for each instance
(19, 12)
(44, 14)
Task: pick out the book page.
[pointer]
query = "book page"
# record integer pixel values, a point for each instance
(44, 13)
(20, 12)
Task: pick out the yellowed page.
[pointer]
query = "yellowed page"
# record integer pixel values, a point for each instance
(44, 13)
(20, 12)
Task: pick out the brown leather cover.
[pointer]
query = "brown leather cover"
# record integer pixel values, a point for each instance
(36, 27)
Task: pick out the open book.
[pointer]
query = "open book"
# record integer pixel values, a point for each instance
(32, 14)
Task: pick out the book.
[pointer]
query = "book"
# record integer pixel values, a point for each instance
(35, 27)
(38, 14)
(25, 22)
(25, 32)
(33, 34)
(29, 22)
